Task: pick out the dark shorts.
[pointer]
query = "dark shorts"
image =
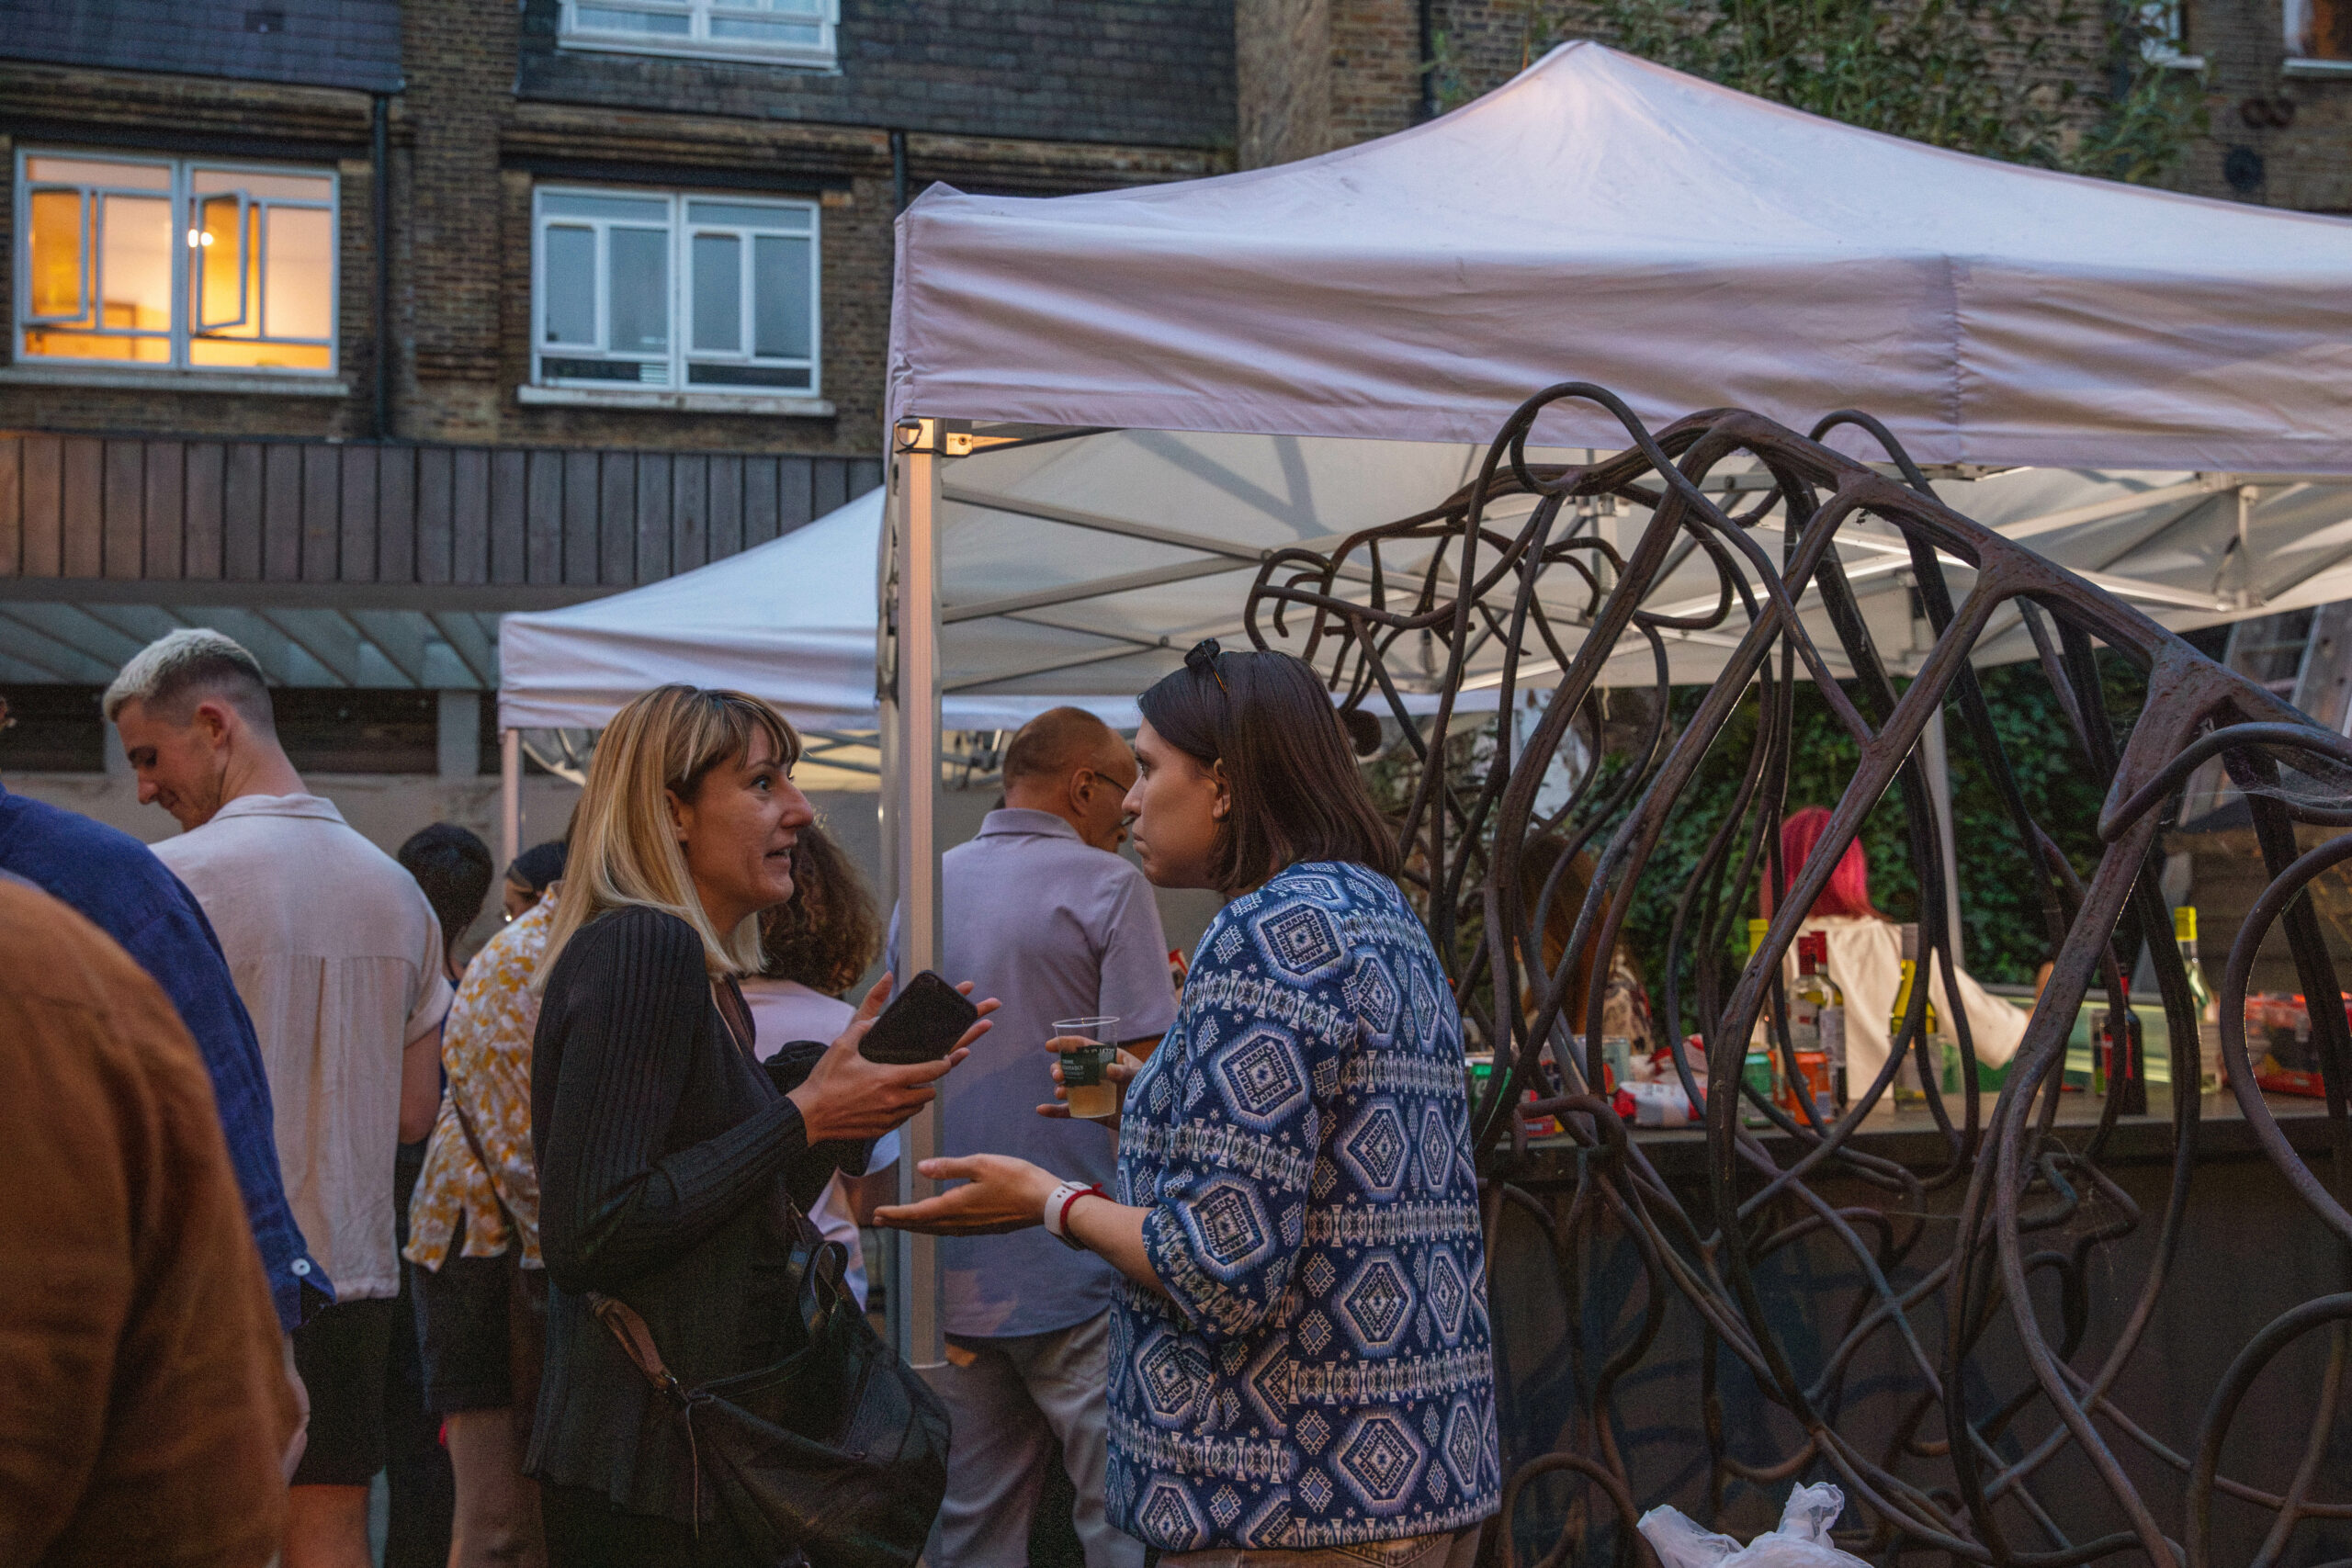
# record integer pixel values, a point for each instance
(343, 1354)
(462, 1332)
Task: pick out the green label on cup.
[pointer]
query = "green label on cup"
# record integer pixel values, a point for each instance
(1083, 1067)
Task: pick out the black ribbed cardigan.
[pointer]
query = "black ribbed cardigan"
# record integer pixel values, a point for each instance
(671, 1169)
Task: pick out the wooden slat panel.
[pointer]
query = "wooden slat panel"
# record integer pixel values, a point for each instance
(43, 518)
(509, 505)
(760, 505)
(84, 492)
(359, 464)
(281, 515)
(470, 517)
(830, 485)
(543, 518)
(167, 509)
(653, 470)
(617, 519)
(208, 463)
(12, 504)
(240, 513)
(725, 528)
(796, 492)
(125, 528)
(689, 511)
(434, 481)
(322, 512)
(582, 507)
(396, 515)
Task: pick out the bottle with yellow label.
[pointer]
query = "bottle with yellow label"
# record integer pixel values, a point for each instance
(2208, 1008)
(1761, 1069)
(1907, 1089)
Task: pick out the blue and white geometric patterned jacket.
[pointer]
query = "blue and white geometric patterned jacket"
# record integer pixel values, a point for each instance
(1319, 1372)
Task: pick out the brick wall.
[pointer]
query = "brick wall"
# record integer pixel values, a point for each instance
(999, 97)
(1156, 72)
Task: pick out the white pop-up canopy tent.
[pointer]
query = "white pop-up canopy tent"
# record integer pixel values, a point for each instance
(2150, 387)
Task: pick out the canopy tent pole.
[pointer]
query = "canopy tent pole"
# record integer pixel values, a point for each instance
(908, 693)
(1937, 761)
(510, 795)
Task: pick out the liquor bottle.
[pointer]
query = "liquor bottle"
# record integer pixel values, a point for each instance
(1761, 1069)
(1817, 1012)
(2119, 1066)
(2208, 1008)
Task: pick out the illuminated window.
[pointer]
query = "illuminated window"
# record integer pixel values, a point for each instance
(792, 32)
(2319, 30)
(174, 262)
(682, 292)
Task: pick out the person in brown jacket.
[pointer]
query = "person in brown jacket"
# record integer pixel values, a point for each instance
(144, 1406)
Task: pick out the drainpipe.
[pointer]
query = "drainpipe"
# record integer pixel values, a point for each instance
(898, 171)
(380, 137)
(1428, 58)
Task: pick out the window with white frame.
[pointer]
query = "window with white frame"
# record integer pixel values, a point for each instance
(679, 291)
(2320, 30)
(174, 262)
(791, 32)
(2163, 32)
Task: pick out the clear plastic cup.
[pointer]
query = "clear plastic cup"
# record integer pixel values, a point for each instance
(1086, 1086)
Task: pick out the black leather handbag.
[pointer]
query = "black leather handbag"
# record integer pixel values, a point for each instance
(836, 1454)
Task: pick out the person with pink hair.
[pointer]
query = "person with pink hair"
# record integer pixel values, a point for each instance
(1866, 958)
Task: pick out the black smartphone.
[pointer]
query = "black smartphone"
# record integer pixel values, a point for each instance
(922, 1025)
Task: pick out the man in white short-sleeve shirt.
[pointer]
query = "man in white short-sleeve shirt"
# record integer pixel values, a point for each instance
(1042, 914)
(338, 957)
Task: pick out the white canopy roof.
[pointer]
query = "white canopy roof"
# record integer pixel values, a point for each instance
(1602, 219)
(2144, 385)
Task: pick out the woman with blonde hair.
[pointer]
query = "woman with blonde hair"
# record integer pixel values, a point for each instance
(674, 1168)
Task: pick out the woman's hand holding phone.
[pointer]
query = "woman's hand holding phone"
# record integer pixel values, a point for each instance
(845, 1098)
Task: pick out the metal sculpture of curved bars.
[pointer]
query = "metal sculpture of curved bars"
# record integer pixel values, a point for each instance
(1470, 596)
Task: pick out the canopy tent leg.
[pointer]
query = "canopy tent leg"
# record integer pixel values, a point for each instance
(908, 655)
(510, 795)
(1937, 761)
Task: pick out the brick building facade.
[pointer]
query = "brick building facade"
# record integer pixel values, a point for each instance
(347, 325)
(2276, 79)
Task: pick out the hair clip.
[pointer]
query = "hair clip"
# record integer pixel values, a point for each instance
(1204, 657)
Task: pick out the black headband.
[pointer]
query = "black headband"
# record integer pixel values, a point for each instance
(1202, 659)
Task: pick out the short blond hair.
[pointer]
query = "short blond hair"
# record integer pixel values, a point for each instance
(180, 669)
(625, 850)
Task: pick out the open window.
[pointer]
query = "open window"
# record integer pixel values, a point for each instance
(180, 264)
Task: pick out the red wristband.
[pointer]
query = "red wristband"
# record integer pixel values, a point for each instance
(1060, 1226)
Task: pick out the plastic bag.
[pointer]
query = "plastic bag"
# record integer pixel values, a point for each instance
(1802, 1542)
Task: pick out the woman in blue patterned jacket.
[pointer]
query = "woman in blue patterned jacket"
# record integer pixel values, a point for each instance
(1300, 1369)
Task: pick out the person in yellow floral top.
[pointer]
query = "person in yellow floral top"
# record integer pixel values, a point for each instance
(463, 1233)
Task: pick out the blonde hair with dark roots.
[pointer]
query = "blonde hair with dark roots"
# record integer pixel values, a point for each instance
(625, 850)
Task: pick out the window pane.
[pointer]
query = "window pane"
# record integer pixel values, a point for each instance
(135, 264)
(638, 273)
(92, 172)
(718, 293)
(51, 344)
(218, 250)
(578, 204)
(260, 186)
(58, 259)
(297, 292)
(567, 285)
(766, 32)
(246, 354)
(748, 215)
(706, 375)
(604, 20)
(780, 297)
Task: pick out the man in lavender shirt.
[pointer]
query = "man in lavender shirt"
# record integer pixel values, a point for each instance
(1045, 916)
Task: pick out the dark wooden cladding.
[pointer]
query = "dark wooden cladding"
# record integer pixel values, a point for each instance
(77, 506)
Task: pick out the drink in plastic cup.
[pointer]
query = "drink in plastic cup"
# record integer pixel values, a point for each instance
(1090, 1095)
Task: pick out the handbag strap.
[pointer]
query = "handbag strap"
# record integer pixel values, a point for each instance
(636, 1343)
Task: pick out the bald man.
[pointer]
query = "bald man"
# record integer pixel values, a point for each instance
(1043, 913)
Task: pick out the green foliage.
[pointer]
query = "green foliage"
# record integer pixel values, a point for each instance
(1998, 78)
